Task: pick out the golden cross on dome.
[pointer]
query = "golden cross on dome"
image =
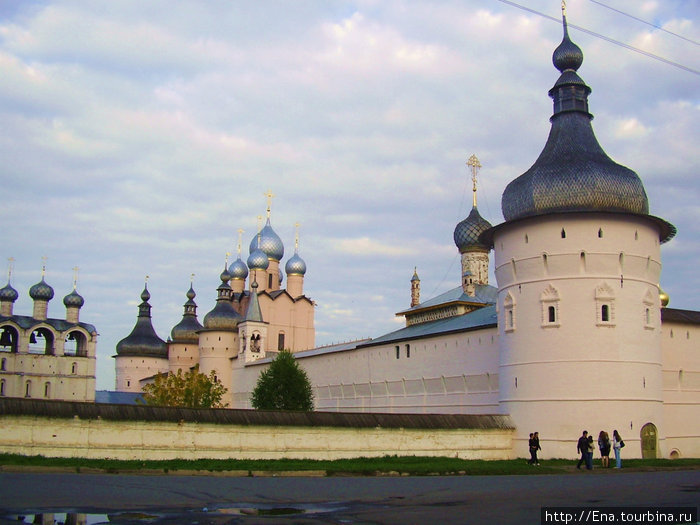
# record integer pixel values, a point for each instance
(296, 237)
(10, 264)
(146, 280)
(43, 266)
(240, 239)
(75, 277)
(563, 7)
(269, 196)
(474, 164)
(227, 254)
(191, 279)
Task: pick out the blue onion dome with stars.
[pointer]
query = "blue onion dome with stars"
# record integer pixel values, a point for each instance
(143, 340)
(8, 294)
(270, 243)
(186, 330)
(223, 316)
(73, 299)
(41, 291)
(295, 265)
(238, 269)
(573, 173)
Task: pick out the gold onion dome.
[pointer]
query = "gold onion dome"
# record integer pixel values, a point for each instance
(664, 298)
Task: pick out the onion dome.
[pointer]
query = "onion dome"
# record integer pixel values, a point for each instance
(664, 298)
(73, 299)
(186, 330)
(258, 260)
(573, 173)
(238, 269)
(143, 340)
(41, 291)
(270, 243)
(295, 265)
(223, 316)
(8, 294)
(466, 234)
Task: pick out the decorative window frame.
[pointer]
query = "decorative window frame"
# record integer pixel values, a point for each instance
(604, 296)
(550, 298)
(509, 313)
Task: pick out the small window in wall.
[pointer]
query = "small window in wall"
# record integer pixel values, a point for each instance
(3, 364)
(398, 351)
(74, 368)
(605, 313)
(2, 387)
(47, 390)
(549, 300)
(408, 350)
(28, 389)
(563, 233)
(269, 281)
(280, 341)
(509, 308)
(527, 239)
(605, 305)
(128, 383)
(600, 233)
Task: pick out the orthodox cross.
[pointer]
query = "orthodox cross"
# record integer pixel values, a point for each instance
(269, 196)
(75, 277)
(43, 266)
(240, 238)
(296, 237)
(474, 165)
(10, 264)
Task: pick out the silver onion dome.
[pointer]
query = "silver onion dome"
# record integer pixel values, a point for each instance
(258, 260)
(270, 243)
(467, 232)
(238, 269)
(41, 291)
(295, 265)
(8, 294)
(74, 299)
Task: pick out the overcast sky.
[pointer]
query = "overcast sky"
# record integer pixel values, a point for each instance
(138, 136)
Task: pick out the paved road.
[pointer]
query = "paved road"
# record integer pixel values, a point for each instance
(425, 500)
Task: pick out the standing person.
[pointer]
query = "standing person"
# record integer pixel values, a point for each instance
(617, 445)
(589, 453)
(530, 445)
(604, 446)
(582, 448)
(534, 447)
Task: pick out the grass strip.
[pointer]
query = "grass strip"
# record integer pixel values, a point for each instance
(404, 465)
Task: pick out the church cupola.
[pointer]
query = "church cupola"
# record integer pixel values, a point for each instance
(186, 331)
(8, 295)
(223, 316)
(238, 269)
(143, 340)
(73, 301)
(475, 254)
(295, 269)
(41, 293)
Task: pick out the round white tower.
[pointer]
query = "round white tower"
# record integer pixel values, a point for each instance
(578, 264)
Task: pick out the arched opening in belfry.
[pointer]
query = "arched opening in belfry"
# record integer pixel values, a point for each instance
(8, 338)
(41, 342)
(75, 344)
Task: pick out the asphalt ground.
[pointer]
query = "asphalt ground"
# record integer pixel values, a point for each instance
(202, 499)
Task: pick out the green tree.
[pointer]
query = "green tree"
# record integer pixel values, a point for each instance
(191, 389)
(283, 386)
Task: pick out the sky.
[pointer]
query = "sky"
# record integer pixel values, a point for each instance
(138, 137)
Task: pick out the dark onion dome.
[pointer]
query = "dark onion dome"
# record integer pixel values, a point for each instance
(466, 234)
(295, 265)
(258, 260)
(143, 340)
(186, 330)
(270, 243)
(8, 294)
(41, 291)
(573, 173)
(73, 299)
(238, 269)
(223, 316)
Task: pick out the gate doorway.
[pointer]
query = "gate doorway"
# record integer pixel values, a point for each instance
(649, 441)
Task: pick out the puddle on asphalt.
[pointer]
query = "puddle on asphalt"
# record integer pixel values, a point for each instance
(170, 515)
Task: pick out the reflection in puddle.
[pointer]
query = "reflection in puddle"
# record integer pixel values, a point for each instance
(170, 515)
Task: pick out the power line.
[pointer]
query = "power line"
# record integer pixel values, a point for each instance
(607, 39)
(647, 23)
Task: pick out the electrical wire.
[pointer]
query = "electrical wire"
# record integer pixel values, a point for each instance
(603, 37)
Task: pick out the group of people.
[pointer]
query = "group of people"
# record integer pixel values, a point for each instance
(586, 447)
(534, 445)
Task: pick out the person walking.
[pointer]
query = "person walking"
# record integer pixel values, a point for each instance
(617, 444)
(534, 447)
(604, 447)
(582, 448)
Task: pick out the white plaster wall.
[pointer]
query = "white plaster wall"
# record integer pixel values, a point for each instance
(578, 373)
(182, 356)
(216, 350)
(130, 370)
(140, 440)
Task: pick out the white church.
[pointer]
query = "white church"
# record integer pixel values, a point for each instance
(575, 335)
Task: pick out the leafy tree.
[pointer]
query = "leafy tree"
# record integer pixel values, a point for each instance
(191, 389)
(283, 386)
